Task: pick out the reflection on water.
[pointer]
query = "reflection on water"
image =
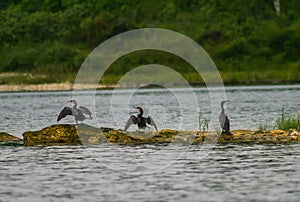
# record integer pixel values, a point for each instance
(149, 172)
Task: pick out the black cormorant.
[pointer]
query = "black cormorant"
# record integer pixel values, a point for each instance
(140, 120)
(78, 113)
(224, 120)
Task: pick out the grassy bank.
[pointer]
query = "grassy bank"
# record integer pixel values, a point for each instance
(229, 78)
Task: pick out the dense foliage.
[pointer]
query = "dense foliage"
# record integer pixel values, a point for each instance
(246, 39)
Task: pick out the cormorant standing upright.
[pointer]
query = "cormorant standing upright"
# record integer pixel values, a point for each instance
(224, 120)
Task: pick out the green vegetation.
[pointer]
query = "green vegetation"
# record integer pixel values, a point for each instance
(248, 42)
(286, 122)
(203, 123)
(283, 122)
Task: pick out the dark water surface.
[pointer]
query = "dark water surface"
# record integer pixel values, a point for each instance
(172, 172)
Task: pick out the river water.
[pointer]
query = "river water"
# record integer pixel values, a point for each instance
(174, 172)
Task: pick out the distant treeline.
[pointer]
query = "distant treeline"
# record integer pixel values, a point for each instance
(246, 39)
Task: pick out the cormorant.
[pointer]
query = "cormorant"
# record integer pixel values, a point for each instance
(224, 120)
(76, 112)
(140, 120)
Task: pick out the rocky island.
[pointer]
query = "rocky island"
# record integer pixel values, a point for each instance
(70, 134)
(84, 134)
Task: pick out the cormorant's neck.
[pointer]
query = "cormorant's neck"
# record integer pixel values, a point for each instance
(140, 114)
(74, 106)
(222, 107)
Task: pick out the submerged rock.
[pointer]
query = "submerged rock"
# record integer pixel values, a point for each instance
(5, 137)
(84, 134)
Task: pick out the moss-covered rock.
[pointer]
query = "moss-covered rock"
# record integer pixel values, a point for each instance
(5, 137)
(85, 134)
(55, 134)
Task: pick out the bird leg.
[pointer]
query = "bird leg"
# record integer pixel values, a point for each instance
(150, 129)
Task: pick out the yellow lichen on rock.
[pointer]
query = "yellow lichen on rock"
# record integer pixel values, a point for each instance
(260, 136)
(117, 136)
(278, 132)
(55, 134)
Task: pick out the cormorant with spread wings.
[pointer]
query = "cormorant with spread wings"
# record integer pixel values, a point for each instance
(140, 120)
(78, 113)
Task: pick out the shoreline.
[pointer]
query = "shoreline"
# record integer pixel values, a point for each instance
(49, 87)
(70, 86)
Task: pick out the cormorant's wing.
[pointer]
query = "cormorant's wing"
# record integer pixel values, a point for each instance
(227, 124)
(66, 111)
(132, 120)
(151, 122)
(222, 118)
(85, 111)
